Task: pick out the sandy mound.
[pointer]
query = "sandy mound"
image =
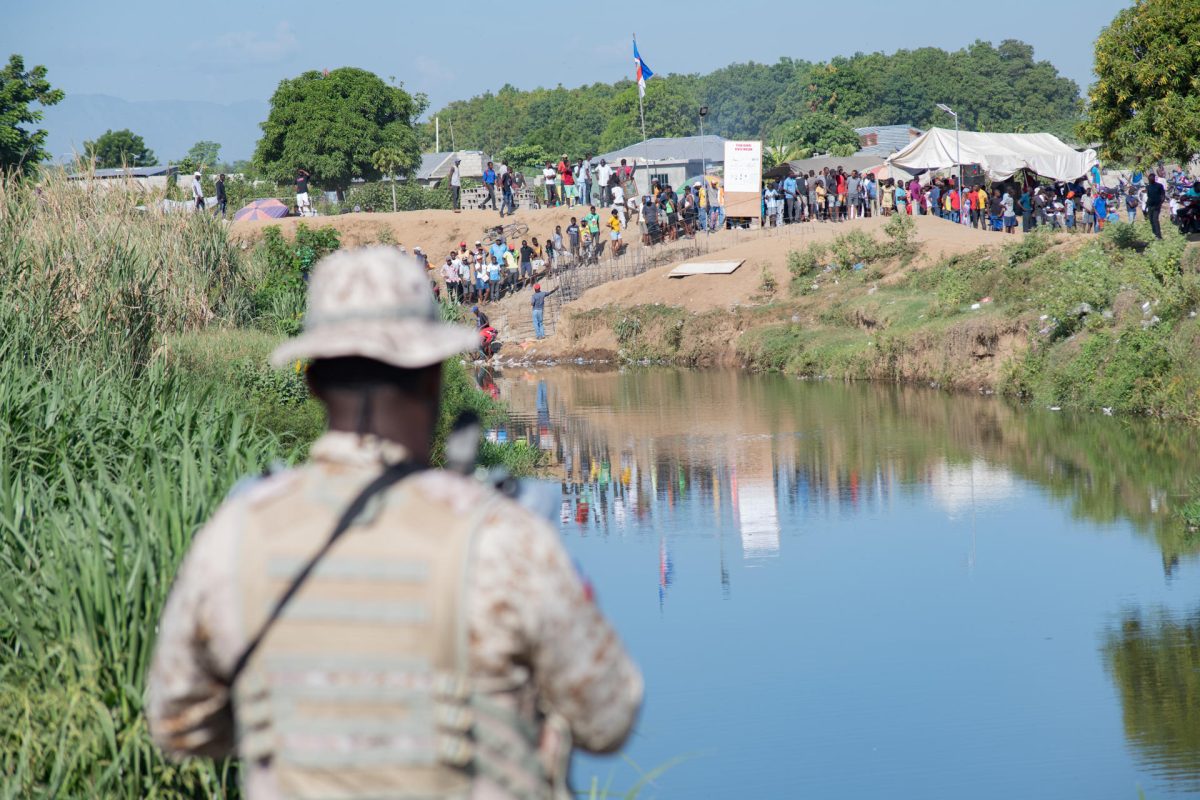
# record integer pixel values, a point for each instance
(436, 232)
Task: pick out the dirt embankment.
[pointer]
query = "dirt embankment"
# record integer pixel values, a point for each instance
(866, 324)
(860, 324)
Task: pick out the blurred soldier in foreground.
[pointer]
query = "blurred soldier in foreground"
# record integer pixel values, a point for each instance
(363, 627)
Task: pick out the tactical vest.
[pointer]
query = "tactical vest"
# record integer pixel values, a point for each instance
(361, 689)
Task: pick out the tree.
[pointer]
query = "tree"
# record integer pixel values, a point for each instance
(387, 160)
(22, 149)
(820, 132)
(1145, 104)
(122, 148)
(670, 106)
(525, 155)
(332, 124)
(204, 154)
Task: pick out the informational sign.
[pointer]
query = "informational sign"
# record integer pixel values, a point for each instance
(743, 167)
(743, 179)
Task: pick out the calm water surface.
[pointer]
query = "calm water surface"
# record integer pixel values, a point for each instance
(878, 592)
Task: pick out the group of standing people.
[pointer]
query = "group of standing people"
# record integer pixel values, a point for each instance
(486, 274)
(198, 199)
(583, 183)
(831, 195)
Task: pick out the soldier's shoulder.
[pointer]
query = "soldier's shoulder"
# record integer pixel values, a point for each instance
(465, 494)
(253, 490)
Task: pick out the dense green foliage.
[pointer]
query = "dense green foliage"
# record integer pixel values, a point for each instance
(333, 124)
(820, 132)
(122, 148)
(378, 196)
(21, 148)
(1145, 104)
(992, 87)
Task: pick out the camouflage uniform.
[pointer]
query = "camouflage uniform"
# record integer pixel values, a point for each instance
(534, 656)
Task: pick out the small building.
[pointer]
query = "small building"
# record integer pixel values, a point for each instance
(883, 140)
(435, 167)
(671, 160)
(146, 178)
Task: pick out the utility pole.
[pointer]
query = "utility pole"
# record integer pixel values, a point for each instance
(957, 157)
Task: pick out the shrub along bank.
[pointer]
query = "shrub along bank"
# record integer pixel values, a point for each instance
(133, 394)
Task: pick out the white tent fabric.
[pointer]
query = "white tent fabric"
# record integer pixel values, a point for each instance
(1001, 155)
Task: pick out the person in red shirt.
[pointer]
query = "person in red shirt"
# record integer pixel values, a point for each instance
(567, 178)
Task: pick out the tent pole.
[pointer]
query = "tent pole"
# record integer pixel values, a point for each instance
(958, 158)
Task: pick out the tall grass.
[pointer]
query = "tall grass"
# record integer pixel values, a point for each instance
(109, 462)
(116, 443)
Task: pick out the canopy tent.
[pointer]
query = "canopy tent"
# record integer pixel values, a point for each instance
(268, 208)
(1001, 155)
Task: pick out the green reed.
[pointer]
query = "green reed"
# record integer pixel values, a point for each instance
(108, 464)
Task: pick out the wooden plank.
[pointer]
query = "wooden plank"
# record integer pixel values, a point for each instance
(705, 268)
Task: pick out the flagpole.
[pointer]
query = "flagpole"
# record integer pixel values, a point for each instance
(642, 116)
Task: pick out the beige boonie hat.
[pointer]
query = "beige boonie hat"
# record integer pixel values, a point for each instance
(374, 303)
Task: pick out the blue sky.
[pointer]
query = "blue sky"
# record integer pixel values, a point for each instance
(226, 52)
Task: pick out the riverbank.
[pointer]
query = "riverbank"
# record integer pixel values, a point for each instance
(1102, 322)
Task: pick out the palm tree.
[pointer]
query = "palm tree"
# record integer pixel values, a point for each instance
(781, 152)
(387, 160)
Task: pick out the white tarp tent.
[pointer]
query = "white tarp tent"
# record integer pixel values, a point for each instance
(1001, 155)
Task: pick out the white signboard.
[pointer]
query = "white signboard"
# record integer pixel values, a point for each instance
(743, 167)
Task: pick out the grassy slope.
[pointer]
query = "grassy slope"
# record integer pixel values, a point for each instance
(888, 321)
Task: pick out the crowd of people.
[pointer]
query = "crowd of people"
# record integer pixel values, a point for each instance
(832, 195)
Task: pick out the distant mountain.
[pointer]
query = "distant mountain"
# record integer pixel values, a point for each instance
(169, 127)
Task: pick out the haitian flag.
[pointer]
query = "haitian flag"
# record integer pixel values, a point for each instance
(640, 71)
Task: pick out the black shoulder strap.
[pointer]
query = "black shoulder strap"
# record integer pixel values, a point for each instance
(387, 478)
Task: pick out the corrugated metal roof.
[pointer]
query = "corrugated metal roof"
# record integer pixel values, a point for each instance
(883, 140)
(682, 148)
(127, 172)
(435, 166)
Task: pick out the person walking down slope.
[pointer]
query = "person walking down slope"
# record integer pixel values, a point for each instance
(456, 186)
(538, 303)
(489, 183)
(1155, 194)
(365, 626)
(506, 191)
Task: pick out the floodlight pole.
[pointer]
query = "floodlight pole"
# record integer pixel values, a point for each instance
(957, 157)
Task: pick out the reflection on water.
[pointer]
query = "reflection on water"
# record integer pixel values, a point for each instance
(1155, 662)
(950, 558)
(621, 442)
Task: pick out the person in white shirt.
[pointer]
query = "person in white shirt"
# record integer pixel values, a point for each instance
(618, 201)
(197, 192)
(603, 176)
(550, 174)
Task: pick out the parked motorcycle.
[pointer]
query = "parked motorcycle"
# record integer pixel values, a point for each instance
(1187, 216)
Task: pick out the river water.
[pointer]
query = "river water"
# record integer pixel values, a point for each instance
(861, 591)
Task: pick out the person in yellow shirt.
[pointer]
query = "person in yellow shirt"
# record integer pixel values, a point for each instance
(614, 228)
